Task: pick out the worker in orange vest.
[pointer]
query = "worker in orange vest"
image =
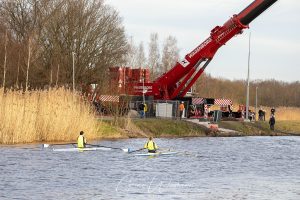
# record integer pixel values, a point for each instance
(181, 109)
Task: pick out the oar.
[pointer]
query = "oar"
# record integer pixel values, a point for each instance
(164, 149)
(48, 145)
(93, 145)
(189, 154)
(131, 151)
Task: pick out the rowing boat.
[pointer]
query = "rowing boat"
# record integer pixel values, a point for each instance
(82, 149)
(93, 147)
(168, 153)
(90, 147)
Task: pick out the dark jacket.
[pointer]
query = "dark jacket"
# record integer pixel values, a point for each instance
(272, 120)
(141, 106)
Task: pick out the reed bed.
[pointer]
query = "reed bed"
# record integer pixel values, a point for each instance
(44, 115)
(284, 113)
(281, 114)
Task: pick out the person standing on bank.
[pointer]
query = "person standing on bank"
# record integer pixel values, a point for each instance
(151, 146)
(145, 110)
(272, 122)
(260, 115)
(81, 141)
(181, 109)
(142, 109)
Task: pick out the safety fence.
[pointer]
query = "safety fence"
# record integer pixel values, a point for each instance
(158, 108)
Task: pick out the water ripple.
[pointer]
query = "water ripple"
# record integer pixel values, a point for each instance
(206, 168)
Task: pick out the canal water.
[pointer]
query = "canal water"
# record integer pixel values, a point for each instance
(206, 168)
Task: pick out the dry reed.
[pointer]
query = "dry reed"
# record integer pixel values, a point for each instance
(284, 113)
(44, 115)
(281, 114)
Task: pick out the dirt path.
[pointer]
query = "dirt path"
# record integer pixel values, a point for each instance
(213, 127)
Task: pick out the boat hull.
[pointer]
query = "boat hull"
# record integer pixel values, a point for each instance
(156, 154)
(82, 149)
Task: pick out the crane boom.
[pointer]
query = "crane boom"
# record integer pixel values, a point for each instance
(178, 80)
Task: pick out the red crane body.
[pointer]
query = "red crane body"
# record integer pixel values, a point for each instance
(177, 81)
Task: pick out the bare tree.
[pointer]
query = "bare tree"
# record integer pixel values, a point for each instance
(170, 53)
(56, 28)
(131, 58)
(154, 55)
(141, 59)
(23, 18)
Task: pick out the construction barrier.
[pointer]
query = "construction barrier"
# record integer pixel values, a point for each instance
(159, 108)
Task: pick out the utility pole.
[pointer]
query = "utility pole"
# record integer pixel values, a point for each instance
(73, 58)
(248, 84)
(143, 90)
(28, 63)
(73, 55)
(255, 102)
(5, 57)
(57, 73)
(18, 71)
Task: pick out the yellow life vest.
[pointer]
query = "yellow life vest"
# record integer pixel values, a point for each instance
(81, 141)
(150, 145)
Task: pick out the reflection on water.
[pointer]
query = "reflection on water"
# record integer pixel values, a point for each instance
(205, 168)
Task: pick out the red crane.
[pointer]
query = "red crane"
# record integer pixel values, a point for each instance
(176, 82)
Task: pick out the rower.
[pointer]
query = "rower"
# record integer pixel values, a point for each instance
(151, 146)
(81, 141)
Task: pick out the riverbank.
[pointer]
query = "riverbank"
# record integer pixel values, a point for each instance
(137, 128)
(167, 128)
(58, 115)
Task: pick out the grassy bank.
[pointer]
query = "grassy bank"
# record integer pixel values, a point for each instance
(170, 128)
(176, 128)
(136, 128)
(261, 128)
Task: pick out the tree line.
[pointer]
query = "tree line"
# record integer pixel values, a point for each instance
(269, 92)
(43, 39)
(55, 42)
(158, 59)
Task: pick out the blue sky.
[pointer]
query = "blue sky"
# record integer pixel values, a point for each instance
(275, 35)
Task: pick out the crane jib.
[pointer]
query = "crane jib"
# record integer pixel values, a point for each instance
(200, 47)
(178, 80)
(254, 10)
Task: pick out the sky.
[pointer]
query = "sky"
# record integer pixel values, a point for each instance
(275, 34)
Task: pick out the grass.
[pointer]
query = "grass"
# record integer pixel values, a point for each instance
(44, 115)
(262, 127)
(109, 131)
(169, 128)
(246, 128)
(288, 126)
